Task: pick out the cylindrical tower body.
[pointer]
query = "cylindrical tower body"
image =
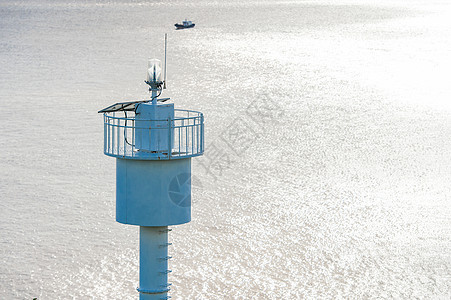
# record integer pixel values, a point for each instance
(153, 148)
(145, 196)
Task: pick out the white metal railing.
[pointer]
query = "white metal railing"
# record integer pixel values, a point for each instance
(185, 135)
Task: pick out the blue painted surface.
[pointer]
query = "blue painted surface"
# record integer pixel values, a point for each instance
(153, 156)
(151, 128)
(145, 195)
(153, 263)
(153, 148)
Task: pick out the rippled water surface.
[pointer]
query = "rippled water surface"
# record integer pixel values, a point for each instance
(338, 184)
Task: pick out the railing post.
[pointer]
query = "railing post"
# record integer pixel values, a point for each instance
(118, 124)
(109, 134)
(192, 136)
(133, 137)
(202, 133)
(169, 137)
(113, 138)
(104, 134)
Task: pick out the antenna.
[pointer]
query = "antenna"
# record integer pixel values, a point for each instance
(165, 47)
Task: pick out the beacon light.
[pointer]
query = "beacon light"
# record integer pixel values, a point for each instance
(154, 74)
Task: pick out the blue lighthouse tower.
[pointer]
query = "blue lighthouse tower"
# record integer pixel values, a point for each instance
(153, 144)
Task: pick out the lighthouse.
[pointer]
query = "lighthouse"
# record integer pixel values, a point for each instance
(153, 144)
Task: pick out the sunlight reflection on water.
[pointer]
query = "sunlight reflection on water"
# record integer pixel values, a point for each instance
(343, 194)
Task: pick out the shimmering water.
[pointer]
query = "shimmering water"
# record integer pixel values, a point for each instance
(341, 189)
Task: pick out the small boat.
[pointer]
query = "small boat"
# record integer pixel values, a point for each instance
(185, 24)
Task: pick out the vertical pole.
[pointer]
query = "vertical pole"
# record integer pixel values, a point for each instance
(153, 263)
(113, 149)
(104, 134)
(133, 136)
(109, 135)
(154, 96)
(169, 137)
(165, 47)
(192, 136)
(202, 132)
(118, 124)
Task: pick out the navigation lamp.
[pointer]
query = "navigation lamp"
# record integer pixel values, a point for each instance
(154, 74)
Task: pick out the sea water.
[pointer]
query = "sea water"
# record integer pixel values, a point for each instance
(328, 155)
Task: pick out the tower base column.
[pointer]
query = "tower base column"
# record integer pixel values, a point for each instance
(153, 263)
